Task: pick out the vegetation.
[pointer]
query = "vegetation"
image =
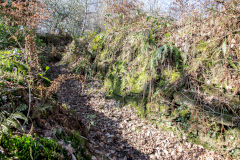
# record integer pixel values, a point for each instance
(23, 88)
(181, 70)
(27, 147)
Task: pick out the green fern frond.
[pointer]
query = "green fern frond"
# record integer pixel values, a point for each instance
(21, 108)
(19, 115)
(45, 107)
(4, 129)
(11, 123)
(11, 120)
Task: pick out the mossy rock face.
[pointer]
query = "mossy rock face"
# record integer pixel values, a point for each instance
(132, 72)
(122, 82)
(126, 80)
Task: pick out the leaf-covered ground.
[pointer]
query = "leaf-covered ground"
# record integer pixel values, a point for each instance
(116, 132)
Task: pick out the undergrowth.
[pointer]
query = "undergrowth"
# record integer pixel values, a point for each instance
(26, 147)
(24, 98)
(181, 72)
(34, 147)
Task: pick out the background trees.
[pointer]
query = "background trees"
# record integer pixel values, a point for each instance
(72, 16)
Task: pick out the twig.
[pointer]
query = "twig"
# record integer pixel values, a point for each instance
(84, 137)
(30, 99)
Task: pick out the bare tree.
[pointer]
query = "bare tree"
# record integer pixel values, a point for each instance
(73, 16)
(65, 16)
(85, 16)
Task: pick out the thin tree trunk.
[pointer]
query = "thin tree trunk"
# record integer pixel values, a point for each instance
(85, 17)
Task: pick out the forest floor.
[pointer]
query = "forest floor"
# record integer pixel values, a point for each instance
(118, 133)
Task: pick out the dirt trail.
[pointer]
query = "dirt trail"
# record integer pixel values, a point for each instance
(119, 133)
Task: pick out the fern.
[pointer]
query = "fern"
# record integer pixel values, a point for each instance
(21, 108)
(11, 120)
(165, 52)
(12, 68)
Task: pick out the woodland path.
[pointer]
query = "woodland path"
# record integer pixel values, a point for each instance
(119, 133)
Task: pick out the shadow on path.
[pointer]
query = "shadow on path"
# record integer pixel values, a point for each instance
(104, 133)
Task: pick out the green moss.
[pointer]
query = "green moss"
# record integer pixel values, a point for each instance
(137, 82)
(163, 109)
(113, 82)
(97, 42)
(174, 114)
(171, 75)
(167, 35)
(202, 46)
(26, 147)
(184, 112)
